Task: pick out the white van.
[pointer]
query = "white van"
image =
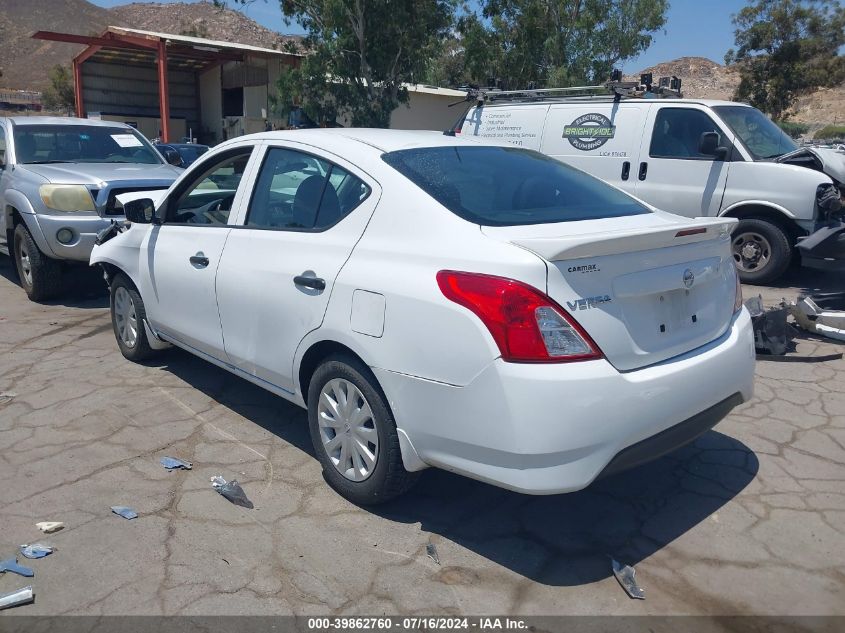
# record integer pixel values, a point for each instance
(687, 156)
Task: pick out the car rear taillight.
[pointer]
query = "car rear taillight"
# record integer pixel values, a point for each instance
(527, 325)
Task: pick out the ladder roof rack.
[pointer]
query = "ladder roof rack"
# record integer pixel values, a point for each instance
(611, 91)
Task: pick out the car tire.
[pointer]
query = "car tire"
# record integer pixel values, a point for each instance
(127, 318)
(761, 250)
(387, 478)
(40, 276)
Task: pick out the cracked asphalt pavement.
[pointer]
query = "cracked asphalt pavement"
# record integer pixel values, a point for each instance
(748, 520)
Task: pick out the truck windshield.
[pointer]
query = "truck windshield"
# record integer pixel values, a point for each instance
(508, 186)
(81, 144)
(758, 133)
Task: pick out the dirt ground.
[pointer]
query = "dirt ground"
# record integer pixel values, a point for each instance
(748, 520)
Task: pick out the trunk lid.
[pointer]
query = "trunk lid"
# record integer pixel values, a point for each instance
(646, 288)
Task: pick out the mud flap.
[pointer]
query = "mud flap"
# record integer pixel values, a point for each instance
(824, 249)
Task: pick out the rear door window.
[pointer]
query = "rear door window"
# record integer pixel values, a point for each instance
(503, 186)
(299, 191)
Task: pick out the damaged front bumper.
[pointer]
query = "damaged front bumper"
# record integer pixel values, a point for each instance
(825, 248)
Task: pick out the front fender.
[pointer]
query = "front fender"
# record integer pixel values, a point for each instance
(21, 203)
(122, 252)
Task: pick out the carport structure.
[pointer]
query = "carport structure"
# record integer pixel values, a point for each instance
(133, 73)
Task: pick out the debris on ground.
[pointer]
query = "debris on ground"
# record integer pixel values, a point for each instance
(232, 491)
(772, 334)
(626, 575)
(12, 566)
(6, 397)
(431, 550)
(171, 463)
(36, 550)
(48, 527)
(125, 511)
(17, 597)
(822, 314)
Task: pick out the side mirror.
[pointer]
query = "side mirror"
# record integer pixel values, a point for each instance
(173, 157)
(140, 211)
(708, 145)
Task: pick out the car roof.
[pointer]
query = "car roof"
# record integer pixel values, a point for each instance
(60, 120)
(379, 139)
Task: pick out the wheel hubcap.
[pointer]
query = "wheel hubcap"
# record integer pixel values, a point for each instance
(751, 251)
(347, 429)
(125, 318)
(25, 263)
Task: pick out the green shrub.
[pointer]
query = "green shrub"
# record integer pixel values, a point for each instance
(830, 132)
(794, 129)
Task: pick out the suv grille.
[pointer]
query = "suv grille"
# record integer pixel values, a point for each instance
(114, 207)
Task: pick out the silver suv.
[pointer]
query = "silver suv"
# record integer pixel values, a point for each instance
(59, 178)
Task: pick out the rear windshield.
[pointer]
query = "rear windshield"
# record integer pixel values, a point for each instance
(504, 186)
(82, 144)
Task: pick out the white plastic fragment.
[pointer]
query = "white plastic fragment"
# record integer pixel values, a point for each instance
(17, 597)
(6, 397)
(626, 575)
(48, 527)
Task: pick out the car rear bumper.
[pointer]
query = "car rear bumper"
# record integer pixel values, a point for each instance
(546, 429)
(83, 227)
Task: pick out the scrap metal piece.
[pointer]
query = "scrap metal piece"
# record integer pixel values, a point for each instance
(125, 511)
(626, 575)
(12, 566)
(822, 314)
(6, 397)
(232, 491)
(431, 551)
(48, 527)
(771, 331)
(171, 463)
(36, 550)
(17, 597)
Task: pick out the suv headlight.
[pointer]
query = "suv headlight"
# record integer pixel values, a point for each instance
(67, 197)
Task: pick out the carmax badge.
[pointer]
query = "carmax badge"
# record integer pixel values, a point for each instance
(589, 131)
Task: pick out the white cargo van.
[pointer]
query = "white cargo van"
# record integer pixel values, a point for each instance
(687, 156)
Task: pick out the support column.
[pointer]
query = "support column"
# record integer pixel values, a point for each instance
(77, 89)
(163, 92)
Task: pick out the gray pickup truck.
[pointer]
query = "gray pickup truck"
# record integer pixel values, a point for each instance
(59, 178)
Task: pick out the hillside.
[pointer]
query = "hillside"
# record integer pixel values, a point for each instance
(705, 79)
(27, 68)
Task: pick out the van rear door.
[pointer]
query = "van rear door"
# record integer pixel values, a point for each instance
(602, 138)
(520, 125)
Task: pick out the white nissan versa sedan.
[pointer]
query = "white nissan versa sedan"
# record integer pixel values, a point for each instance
(438, 301)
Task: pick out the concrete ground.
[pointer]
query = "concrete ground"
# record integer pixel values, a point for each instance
(748, 520)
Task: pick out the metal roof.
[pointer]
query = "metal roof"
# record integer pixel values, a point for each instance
(200, 42)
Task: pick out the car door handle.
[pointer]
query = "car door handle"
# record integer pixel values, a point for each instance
(199, 260)
(315, 283)
(626, 170)
(643, 170)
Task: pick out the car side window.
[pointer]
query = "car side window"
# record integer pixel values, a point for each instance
(208, 198)
(295, 190)
(677, 133)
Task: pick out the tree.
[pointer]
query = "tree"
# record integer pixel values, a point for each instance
(794, 129)
(786, 47)
(360, 53)
(59, 95)
(553, 43)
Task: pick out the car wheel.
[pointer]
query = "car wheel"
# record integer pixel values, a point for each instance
(761, 250)
(354, 434)
(40, 276)
(127, 319)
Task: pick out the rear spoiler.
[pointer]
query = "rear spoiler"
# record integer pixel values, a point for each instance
(626, 241)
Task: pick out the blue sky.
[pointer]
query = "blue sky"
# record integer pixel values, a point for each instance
(693, 28)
